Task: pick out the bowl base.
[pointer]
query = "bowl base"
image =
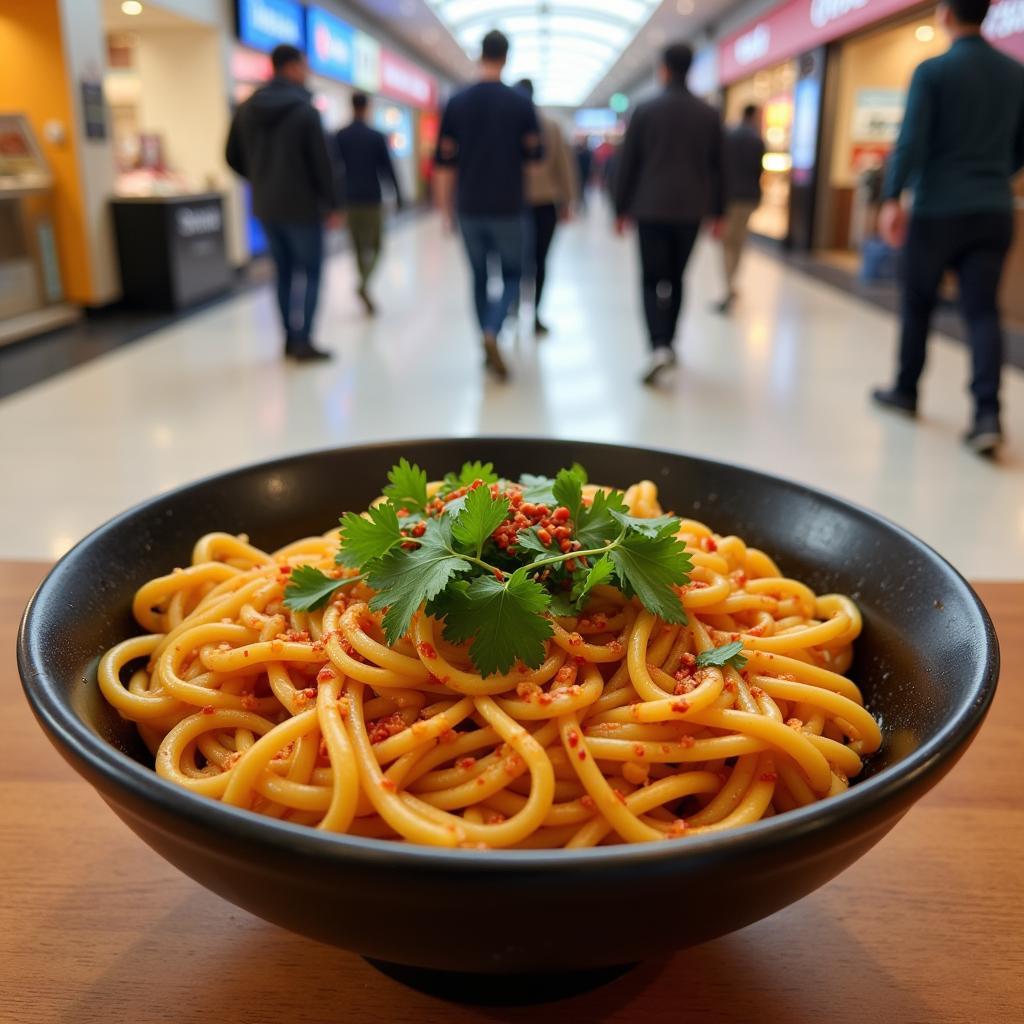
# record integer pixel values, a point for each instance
(499, 989)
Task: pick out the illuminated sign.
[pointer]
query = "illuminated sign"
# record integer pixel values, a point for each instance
(331, 45)
(264, 24)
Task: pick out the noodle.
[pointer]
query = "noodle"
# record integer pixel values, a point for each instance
(619, 735)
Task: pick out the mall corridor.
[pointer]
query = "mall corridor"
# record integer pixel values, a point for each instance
(781, 385)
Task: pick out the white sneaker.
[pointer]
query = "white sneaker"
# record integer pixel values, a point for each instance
(662, 359)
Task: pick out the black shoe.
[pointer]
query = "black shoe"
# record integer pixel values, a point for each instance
(985, 437)
(492, 357)
(540, 330)
(306, 352)
(895, 400)
(364, 295)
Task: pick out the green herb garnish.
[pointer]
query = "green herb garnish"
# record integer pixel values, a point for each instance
(729, 654)
(495, 560)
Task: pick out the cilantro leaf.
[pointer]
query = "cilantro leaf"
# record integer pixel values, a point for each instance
(651, 566)
(596, 525)
(405, 579)
(505, 621)
(729, 654)
(480, 517)
(562, 606)
(567, 490)
(364, 539)
(308, 588)
(470, 473)
(537, 489)
(408, 486)
(579, 471)
(650, 527)
(527, 540)
(585, 580)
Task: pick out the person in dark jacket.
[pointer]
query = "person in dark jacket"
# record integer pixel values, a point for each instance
(742, 153)
(366, 161)
(668, 179)
(961, 142)
(276, 141)
(488, 134)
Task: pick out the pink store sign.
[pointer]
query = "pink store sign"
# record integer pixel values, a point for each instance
(800, 25)
(401, 80)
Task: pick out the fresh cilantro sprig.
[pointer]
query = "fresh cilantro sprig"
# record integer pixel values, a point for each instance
(728, 654)
(308, 588)
(498, 598)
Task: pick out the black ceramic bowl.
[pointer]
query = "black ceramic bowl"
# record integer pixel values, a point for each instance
(927, 663)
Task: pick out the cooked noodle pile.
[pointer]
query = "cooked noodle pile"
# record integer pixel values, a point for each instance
(619, 736)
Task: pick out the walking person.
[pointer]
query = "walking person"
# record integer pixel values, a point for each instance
(365, 159)
(584, 169)
(961, 142)
(668, 180)
(742, 152)
(488, 134)
(551, 190)
(276, 141)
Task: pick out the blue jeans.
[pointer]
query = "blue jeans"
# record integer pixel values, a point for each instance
(297, 248)
(501, 237)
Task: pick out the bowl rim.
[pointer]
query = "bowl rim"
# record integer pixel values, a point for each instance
(85, 747)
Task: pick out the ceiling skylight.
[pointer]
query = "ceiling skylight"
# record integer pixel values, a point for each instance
(564, 46)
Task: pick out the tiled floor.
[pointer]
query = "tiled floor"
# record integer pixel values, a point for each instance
(781, 386)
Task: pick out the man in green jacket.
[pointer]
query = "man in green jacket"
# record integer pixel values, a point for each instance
(961, 142)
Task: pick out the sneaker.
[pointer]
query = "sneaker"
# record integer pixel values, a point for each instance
(307, 352)
(364, 295)
(540, 330)
(895, 400)
(662, 359)
(492, 357)
(985, 437)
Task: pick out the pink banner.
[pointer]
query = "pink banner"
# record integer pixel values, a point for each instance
(799, 25)
(402, 80)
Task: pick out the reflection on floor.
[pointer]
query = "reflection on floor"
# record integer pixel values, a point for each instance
(782, 386)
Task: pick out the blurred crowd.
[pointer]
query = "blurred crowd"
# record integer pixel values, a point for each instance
(505, 178)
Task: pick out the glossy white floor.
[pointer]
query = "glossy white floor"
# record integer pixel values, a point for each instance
(782, 386)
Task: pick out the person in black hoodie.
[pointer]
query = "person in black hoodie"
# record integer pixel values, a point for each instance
(276, 141)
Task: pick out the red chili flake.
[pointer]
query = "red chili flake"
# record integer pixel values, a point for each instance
(245, 654)
(309, 692)
(426, 650)
(768, 777)
(573, 737)
(544, 699)
(795, 723)
(575, 640)
(686, 741)
(209, 709)
(465, 763)
(566, 674)
(680, 705)
(325, 675)
(639, 751)
(756, 692)
(285, 570)
(582, 755)
(388, 784)
(709, 544)
(494, 818)
(448, 736)
(588, 801)
(619, 796)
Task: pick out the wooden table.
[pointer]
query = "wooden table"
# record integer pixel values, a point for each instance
(928, 927)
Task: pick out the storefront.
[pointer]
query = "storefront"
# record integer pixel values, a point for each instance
(830, 77)
(342, 59)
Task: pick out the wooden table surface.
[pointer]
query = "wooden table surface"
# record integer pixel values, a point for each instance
(928, 927)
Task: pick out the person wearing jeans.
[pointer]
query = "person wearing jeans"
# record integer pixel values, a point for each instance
(365, 160)
(961, 142)
(668, 180)
(488, 134)
(276, 141)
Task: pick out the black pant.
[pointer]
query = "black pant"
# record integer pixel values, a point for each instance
(975, 246)
(297, 248)
(664, 252)
(545, 220)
